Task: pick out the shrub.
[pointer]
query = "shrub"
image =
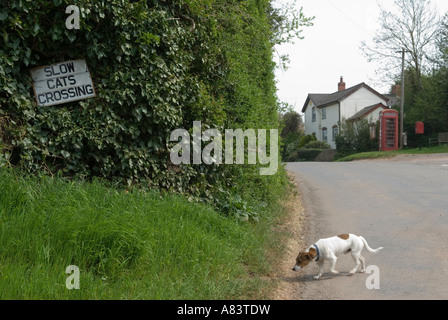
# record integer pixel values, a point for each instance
(354, 137)
(308, 154)
(306, 150)
(303, 154)
(317, 145)
(305, 139)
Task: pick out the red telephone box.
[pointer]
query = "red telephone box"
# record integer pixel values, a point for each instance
(389, 130)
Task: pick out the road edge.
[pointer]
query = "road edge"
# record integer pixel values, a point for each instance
(294, 227)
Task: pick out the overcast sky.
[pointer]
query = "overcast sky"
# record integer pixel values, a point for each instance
(331, 49)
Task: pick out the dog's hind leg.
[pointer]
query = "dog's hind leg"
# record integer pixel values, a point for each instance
(363, 264)
(357, 258)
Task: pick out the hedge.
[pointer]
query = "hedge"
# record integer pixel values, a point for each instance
(156, 65)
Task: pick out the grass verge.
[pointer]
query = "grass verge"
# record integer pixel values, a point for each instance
(127, 245)
(391, 154)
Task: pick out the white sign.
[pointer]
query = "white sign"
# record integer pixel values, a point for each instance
(62, 82)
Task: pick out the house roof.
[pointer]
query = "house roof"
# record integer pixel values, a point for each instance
(364, 112)
(393, 99)
(321, 100)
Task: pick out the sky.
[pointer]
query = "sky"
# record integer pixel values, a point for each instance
(331, 49)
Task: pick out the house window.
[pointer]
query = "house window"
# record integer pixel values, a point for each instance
(335, 132)
(324, 113)
(324, 134)
(313, 114)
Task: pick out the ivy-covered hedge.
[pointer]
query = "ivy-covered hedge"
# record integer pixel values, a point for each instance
(157, 65)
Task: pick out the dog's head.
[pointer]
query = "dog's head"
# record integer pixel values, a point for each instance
(303, 259)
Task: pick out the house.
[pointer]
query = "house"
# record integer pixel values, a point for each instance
(324, 112)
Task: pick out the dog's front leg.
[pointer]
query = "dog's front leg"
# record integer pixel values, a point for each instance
(321, 269)
(332, 265)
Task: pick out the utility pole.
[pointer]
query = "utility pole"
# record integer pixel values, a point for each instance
(403, 52)
(402, 99)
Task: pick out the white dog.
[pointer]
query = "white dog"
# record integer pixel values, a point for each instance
(330, 248)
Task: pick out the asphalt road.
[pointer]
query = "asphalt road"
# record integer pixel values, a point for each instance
(399, 204)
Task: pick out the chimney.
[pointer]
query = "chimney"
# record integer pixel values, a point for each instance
(396, 90)
(341, 84)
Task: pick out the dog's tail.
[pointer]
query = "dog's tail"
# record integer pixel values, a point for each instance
(370, 249)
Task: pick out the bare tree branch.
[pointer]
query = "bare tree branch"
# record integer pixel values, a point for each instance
(413, 26)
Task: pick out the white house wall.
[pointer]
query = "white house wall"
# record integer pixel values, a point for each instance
(309, 124)
(374, 116)
(332, 119)
(357, 101)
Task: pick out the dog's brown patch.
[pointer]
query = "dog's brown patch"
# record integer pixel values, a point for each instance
(343, 236)
(313, 252)
(305, 257)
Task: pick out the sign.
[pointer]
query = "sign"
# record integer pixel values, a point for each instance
(62, 82)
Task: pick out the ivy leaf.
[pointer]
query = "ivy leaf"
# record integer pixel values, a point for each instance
(4, 14)
(65, 154)
(35, 30)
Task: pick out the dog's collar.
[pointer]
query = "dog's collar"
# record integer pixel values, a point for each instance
(318, 254)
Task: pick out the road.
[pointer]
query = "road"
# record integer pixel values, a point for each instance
(399, 204)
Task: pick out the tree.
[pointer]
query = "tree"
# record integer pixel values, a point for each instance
(292, 131)
(428, 105)
(287, 22)
(414, 28)
(427, 101)
(292, 122)
(441, 58)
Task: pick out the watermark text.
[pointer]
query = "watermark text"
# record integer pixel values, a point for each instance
(189, 149)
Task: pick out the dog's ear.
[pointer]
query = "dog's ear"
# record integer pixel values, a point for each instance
(313, 253)
(308, 256)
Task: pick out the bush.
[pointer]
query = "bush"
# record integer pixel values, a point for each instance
(317, 145)
(305, 139)
(307, 149)
(354, 137)
(303, 154)
(308, 154)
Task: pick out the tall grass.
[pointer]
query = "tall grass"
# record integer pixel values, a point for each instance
(127, 245)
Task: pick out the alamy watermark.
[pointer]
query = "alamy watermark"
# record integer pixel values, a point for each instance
(189, 149)
(72, 22)
(72, 282)
(373, 281)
